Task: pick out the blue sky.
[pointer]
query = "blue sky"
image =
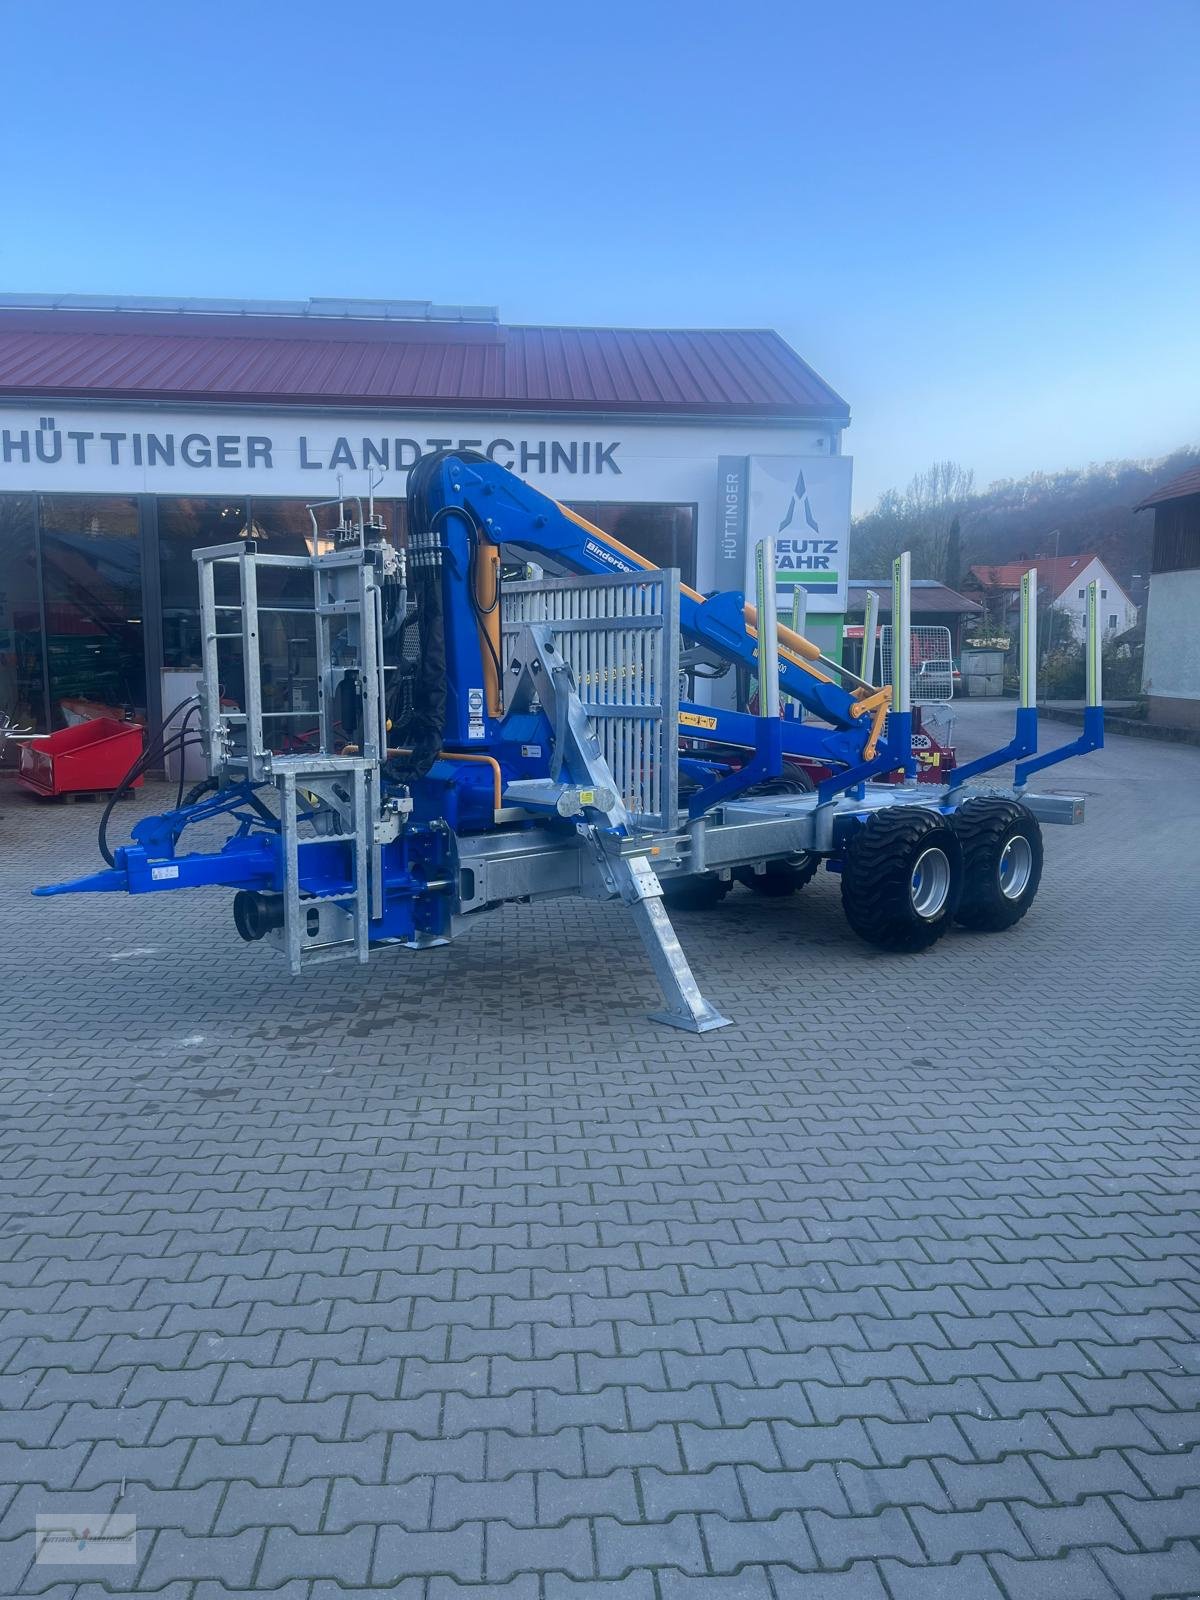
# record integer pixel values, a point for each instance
(978, 221)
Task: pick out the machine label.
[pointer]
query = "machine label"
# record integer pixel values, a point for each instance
(474, 713)
(610, 558)
(693, 719)
(159, 873)
(531, 751)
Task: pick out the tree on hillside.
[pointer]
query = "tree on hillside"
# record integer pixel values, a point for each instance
(952, 566)
(925, 518)
(1090, 509)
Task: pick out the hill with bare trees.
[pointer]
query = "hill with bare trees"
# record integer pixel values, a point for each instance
(948, 525)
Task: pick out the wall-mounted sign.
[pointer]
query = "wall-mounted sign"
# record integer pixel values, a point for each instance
(804, 502)
(164, 452)
(733, 473)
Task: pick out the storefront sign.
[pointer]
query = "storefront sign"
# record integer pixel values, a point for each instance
(732, 490)
(804, 501)
(88, 450)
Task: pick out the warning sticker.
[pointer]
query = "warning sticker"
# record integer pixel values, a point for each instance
(474, 713)
(693, 719)
(531, 751)
(159, 873)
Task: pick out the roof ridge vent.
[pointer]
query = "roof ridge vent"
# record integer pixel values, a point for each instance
(319, 306)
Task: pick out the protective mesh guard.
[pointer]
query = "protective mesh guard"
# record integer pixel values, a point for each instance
(620, 637)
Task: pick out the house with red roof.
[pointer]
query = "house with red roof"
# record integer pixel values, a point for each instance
(1062, 585)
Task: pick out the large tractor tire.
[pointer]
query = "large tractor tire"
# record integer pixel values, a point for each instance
(1002, 862)
(780, 878)
(699, 893)
(902, 878)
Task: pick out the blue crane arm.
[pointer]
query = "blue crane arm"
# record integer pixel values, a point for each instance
(503, 509)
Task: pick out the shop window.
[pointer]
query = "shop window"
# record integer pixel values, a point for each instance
(287, 636)
(184, 526)
(22, 684)
(92, 583)
(665, 534)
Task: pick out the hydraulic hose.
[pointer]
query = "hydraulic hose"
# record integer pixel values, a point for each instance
(423, 729)
(159, 746)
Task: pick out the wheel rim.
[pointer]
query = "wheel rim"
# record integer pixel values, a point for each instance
(1016, 867)
(929, 887)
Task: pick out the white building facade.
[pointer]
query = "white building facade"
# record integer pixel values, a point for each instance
(131, 436)
(1117, 611)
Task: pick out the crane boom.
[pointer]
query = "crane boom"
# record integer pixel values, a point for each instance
(463, 508)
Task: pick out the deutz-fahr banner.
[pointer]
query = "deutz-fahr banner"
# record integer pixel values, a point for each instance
(804, 501)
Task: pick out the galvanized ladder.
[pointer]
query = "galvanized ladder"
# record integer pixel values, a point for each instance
(336, 796)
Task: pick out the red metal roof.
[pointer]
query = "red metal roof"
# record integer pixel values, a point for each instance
(1188, 483)
(1054, 573)
(363, 362)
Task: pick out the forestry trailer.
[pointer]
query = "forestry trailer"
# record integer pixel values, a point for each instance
(441, 741)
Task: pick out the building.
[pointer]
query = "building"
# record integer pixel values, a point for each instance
(1062, 587)
(1171, 664)
(933, 605)
(133, 432)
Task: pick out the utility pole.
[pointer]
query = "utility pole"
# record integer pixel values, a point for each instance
(1048, 608)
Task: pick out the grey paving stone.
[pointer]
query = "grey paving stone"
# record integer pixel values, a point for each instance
(970, 1484)
(561, 1498)
(605, 1449)
(673, 1543)
(525, 1587)
(860, 1581)
(513, 1551)
(401, 1554)
(1075, 1576)
(636, 1586)
(1174, 1572)
(1107, 1472)
(324, 1458)
(344, 1557)
(968, 1579)
(228, 1560)
(1155, 1523)
(870, 1489)
(840, 1540)
(947, 1535)
(213, 1459)
(510, 1500)
(732, 1545)
(1166, 1472)
(246, 1505)
(581, 1275)
(407, 1504)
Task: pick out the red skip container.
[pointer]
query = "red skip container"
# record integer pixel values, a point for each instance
(90, 756)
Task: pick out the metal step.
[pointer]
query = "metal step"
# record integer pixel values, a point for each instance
(289, 776)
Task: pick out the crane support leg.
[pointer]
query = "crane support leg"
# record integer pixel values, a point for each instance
(581, 772)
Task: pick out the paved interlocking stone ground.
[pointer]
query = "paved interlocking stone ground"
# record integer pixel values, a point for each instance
(455, 1276)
